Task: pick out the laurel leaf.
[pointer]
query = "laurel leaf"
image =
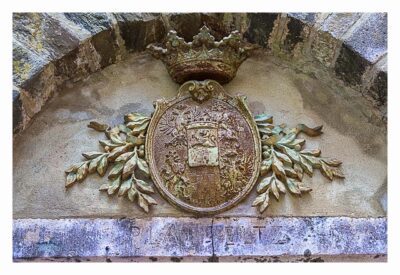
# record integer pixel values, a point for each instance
(92, 155)
(82, 172)
(143, 203)
(124, 129)
(93, 164)
(104, 187)
(265, 126)
(149, 199)
(124, 157)
(139, 129)
(332, 162)
(101, 127)
(293, 186)
(102, 166)
(135, 117)
(259, 199)
(116, 152)
(274, 189)
(337, 173)
(116, 170)
(280, 186)
(135, 140)
(283, 158)
(297, 142)
(108, 143)
(265, 131)
(306, 165)
(315, 162)
(277, 167)
(263, 118)
(299, 171)
(129, 167)
(137, 123)
(303, 188)
(114, 186)
(132, 194)
(312, 152)
(125, 186)
(264, 184)
(265, 167)
(142, 165)
(115, 138)
(71, 178)
(326, 171)
(287, 139)
(74, 167)
(144, 186)
(312, 132)
(270, 140)
(265, 203)
(291, 153)
(290, 172)
(278, 129)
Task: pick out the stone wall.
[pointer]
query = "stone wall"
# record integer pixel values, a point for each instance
(51, 48)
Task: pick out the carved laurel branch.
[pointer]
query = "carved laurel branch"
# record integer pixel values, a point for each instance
(124, 151)
(285, 162)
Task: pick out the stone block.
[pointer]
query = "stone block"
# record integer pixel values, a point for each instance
(103, 39)
(221, 24)
(260, 27)
(186, 25)
(17, 110)
(350, 66)
(337, 24)
(140, 29)
(378, 89)
(299, 236)
(306, 18)
(297, 30)
(80, 62)
(92, 22)
(26, 63)
(327, 39)
(363, 47)
(378, 85)
(38, 89)
(369, 39)
(43, 35)
(301, 239)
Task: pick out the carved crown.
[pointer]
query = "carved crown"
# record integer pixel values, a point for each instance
(203, 58)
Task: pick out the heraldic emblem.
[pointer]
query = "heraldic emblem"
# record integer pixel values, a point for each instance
(203, 149)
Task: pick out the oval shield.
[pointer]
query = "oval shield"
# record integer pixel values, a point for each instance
(203, 148)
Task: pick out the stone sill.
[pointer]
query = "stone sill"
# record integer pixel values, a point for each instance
(306, 239)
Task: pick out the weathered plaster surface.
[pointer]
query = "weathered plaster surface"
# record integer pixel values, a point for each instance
(57, 136)
(293, 239)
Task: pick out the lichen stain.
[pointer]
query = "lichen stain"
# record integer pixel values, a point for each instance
(37, 32)
(21, 69)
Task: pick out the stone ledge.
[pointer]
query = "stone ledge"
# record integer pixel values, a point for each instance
(175, 239)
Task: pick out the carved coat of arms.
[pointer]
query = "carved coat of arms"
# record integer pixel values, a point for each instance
(204, 152)
(203, 149)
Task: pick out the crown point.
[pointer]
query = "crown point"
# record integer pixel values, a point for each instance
(203, 58)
